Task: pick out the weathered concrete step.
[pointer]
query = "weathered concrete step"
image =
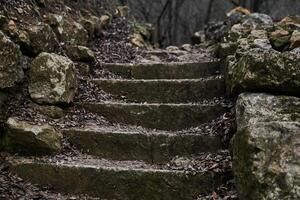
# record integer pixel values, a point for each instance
(157, 147)
(166, 70)
(127, 180)
(165, 90)
(158, 116)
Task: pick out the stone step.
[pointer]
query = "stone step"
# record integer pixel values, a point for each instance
(158, 116)
(166, 70)
(165, 90)
(120, 180)
(155, 147)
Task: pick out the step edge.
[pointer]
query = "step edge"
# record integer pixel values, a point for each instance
(210, 78)
(19, 161)
(170, 134)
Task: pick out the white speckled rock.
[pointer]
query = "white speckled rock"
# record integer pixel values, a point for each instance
(27, 139)
(266, 147)
(52, 79)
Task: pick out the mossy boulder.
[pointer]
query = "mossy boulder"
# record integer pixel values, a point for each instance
(80, 53)
(266, 147)
(52, 79)
(261, 70)
(10, 68)
(26, 139)
(42, 39)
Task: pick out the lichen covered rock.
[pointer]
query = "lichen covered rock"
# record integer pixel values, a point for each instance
(27, 139)
(266, 147)
(10, 69)
(80, 53)
(72, 32)
(260, 70)
(42, 39)
(52, 79)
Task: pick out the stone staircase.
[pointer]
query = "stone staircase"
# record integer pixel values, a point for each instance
(161, 161)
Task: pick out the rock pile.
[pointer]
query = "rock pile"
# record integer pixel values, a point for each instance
(42, 49)
(262, 56)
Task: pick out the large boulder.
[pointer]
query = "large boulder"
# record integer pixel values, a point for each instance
(261, 70)
(10, 68)
(52, 79)
(266, 153)
(24, 138)
(42, 39)
(72, 32)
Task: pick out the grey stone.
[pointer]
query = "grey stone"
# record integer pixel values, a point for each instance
(42, 39)
(52, 79)
(27, 139)
(262, 70)
(266, 155)
(80, 53)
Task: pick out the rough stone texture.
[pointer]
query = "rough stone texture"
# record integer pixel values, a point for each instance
(80, 53)
(26, 139)
(165, 91)
(166, 70)
(3, 99)
(117, 180)
(295, 39)
(258, 20)
(266, 147)
(280, 38)
(52, 79)
(53, 19)
(50, 111)
(290, 23)
(95, 25)
(72, 32)
(150, 147)
(261, 70)
(158, 116)
(10, 70)
(83, 69)
(42, 39)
